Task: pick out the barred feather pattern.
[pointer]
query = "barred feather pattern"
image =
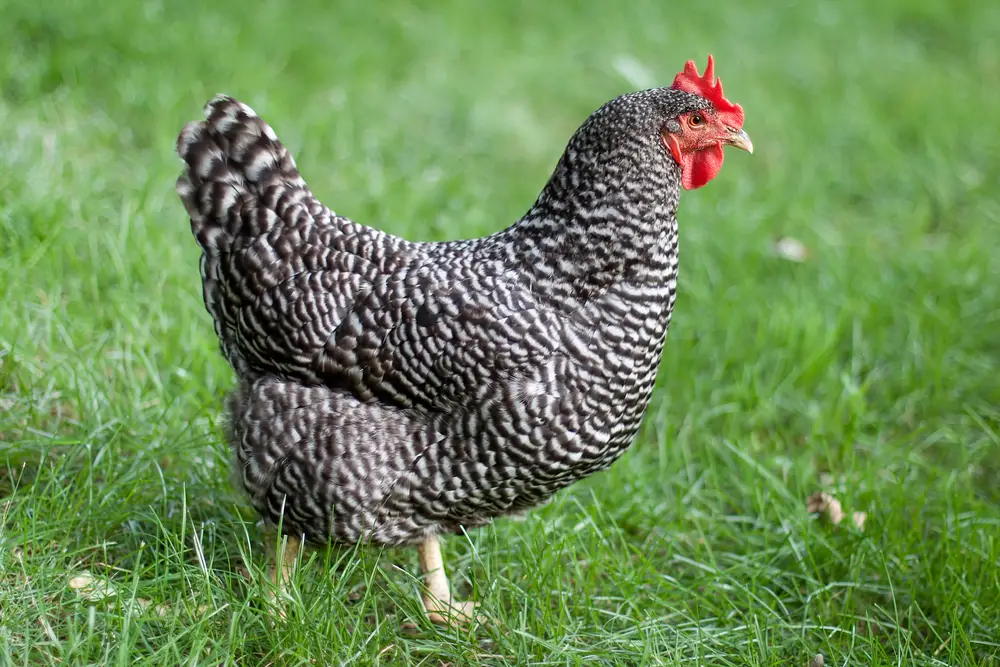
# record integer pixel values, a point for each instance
(390, 390)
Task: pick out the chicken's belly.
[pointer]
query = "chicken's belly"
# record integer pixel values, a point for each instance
(323, 464)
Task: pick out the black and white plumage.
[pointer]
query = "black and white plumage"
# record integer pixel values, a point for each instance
(390, 390)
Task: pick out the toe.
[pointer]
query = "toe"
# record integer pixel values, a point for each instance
(452, 614)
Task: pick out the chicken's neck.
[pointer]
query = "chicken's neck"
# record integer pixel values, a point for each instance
(581, 239)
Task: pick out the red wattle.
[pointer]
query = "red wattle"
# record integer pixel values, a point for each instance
(699, 167)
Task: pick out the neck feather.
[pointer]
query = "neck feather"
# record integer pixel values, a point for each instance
(595, 225)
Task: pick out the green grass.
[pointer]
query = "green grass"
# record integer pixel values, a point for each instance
(871, 370)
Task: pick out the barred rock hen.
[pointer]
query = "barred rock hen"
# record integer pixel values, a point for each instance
(390, 391)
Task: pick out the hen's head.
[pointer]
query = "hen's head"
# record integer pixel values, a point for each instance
(687, 125)
(695, 138)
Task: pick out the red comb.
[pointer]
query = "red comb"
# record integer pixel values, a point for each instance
(711, 89)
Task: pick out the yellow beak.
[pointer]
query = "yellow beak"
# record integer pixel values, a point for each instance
(741, 140)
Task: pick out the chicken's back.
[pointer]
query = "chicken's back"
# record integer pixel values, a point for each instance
(279, 269)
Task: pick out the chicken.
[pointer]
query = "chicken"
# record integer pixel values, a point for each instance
(392, 391)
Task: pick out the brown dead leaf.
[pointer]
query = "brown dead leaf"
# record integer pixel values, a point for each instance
(829, 507)
(91, 588)
(825, 505)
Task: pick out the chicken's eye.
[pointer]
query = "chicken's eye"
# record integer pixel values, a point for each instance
(696, 120)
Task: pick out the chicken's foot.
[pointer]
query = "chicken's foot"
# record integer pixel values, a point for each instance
(440, 606)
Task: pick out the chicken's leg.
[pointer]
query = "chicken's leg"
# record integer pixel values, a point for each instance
(282, 566)
(283, 563)
(440, 606)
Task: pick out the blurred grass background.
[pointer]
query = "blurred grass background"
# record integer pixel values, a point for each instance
(870, 370)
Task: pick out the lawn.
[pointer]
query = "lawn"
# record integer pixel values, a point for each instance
(870, 370)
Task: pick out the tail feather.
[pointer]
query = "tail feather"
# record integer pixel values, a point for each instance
(279, 269)
(233, 159)
(238, 178)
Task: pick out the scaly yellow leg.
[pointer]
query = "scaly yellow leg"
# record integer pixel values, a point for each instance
(289, 553)
(282, 567)
(440, 606)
